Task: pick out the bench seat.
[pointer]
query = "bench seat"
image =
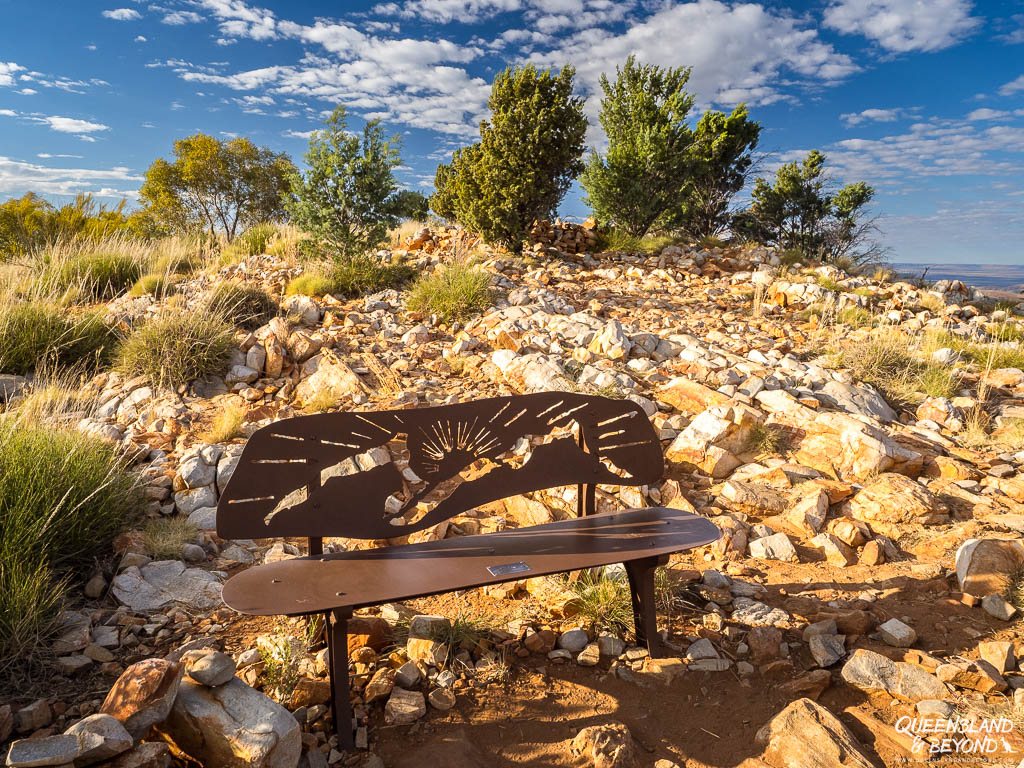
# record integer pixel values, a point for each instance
(350, 580)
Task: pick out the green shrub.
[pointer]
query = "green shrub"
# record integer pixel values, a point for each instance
(884, 361)
(604, 602)
(829, 284)
(363, 274)
(63, 497)
(613, 239)
(452, 293)
(768, 439)
(97, 275)
(243, 305)
(178, 346)
(157, 284)
(255, 241)
(855, 317)
(34, 333)
(792, 256)
(311, 284)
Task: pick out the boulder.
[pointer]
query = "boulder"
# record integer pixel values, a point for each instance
(713, 439)
(897, 634)
(404, 707)
(690, 396)
(233, 726)
(326, 376)
(859, 401)
(891, 500)
(609, 745)
(774, 547)
(209, 667)
(806, 735)
(48, 750)
(148, 754)
(101, 737)
(874, 673)
(144, 695)
(976, 675)
(166, 581)
(809, 510)
(753, 497)
(984, 565)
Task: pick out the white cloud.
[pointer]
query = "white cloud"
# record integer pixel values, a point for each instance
(7, 70)
(738, 52)
(178, 18)
(18, 177)
(446, 11)
(58, 123)
(122, 14)
(71, 125)
(871, 115)
(237, 19)
(141, 39)
(305, 135)
(48, 156)
(1012, 87)
(28, 92)
(904, 25)
(1015, 36)
(993, 114)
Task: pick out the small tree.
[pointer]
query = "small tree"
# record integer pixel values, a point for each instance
(528, 154)
(798, 211)
(346, 200)
(410, 204)
(642, 175)
(213, 184)
(721, 158)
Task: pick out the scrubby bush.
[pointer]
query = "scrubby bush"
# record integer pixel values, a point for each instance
(243, 305)
(63, 497)
(165, 537)
(178, 346)
(34, 333)
(360, 275)
(226, 425)
(453, 292)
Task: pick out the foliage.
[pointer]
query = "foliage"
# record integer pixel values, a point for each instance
(177, 346)
(242, 305)
(612, 239)
(720, 159)
(347, 199)
(768, 439)
(604, 601)
(63, 497)
(216, 185)
(410, 204)
(154, 284)
(363, 274)
(453, 292)
(34, 333)
(642, 174)
(799, 211)
(30, 223)
(528, 154)
(165, 537)
(254, 241)
(99, 275)
(310, 284)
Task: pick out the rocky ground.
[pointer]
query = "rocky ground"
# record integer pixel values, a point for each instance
(855, 599)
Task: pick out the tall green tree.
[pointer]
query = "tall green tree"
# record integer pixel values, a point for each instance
(527, 157)
(721, 157)
(216, 185)
(347, 199)
(643, 173)
(800, 211)
(410, 204)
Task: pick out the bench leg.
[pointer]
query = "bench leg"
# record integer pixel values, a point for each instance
(645, 618)
(341, 705)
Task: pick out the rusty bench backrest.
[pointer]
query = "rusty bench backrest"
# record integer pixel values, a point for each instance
(331, 475)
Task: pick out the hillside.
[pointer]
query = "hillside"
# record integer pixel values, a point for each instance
(848, 435)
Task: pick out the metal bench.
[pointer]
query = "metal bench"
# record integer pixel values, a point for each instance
(331, 475)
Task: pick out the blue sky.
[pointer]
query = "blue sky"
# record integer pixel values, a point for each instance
(922, 98)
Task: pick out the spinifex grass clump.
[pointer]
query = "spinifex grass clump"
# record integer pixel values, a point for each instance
(604, 601)
(177, 346)
(453, 292)
(362, 274)
(243, 305)
(34, 333)
(63, 497)
(98, 275)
